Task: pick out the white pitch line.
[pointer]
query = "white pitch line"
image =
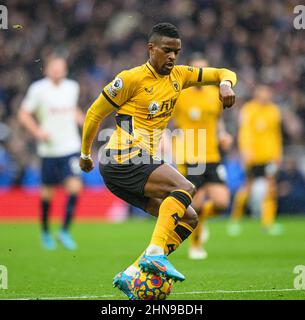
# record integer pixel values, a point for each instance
(236, 291)
(174, 293)
(62, 298)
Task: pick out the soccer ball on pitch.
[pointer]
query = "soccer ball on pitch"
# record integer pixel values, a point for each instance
(148, 286)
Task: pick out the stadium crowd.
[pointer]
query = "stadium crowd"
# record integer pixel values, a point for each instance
(255, 38)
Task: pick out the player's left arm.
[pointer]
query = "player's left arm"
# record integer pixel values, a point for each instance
(224, 78)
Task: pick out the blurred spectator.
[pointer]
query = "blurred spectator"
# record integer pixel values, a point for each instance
(291, 187)
(7, 164)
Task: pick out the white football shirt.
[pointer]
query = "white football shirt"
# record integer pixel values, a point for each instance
(55, 109)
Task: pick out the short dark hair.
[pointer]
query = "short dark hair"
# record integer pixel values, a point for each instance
(163, 29)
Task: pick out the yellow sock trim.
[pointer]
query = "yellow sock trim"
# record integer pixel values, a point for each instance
(186, 226)
(170, 213)
(269, 208)
(185, 192)
(174, 240)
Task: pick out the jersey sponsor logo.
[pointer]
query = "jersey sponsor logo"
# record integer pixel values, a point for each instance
(149, 90)
(168, 104)
(176, 86)
(166, 109)
(154, 107)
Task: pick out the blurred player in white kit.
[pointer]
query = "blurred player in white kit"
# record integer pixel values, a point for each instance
(50, 112)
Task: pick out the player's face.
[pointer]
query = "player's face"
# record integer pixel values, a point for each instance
(163, 54)
(56, 70)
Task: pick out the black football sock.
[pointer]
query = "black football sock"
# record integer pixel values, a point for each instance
(45, 206)
(69, 211)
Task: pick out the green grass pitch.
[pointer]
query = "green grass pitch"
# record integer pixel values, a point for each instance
(251, 266)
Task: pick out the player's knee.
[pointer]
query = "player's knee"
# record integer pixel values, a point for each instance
(194, 220)
(188, 187)
(190, 217)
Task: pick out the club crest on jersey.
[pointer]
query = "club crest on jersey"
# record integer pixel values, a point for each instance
(154, 107)
(176, 86)
(116, 86)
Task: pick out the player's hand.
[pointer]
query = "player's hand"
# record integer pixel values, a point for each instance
(86, 165)
(227, 96)
(41, 135)
(225, 141)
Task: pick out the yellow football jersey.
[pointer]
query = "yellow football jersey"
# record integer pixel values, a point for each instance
(198, 108)
(259, 136)
(145, 101)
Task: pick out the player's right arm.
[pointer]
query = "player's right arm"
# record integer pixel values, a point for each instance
(113, 96)
(97, 112)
